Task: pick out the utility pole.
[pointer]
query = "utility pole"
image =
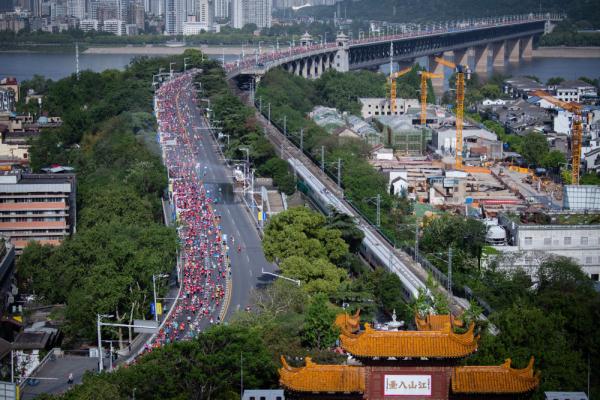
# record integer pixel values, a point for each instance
(339, 173)
(416, 239)
(77, 59)
(241, 375)
(285, 125)
(302, 140)
(450, 273)
(269, 114)
(378, 210)
(260, 104)
(154, 292)
(323, 158)
(100, 360)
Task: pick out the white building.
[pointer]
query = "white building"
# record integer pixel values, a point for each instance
(258, 12)
(531, 244)
(244, 12)
(76, 8)
(222, 8)
(490, 102)
(562, 122)
(444, 139)
(205, 12)
(575, 91)
(87, 25)
(375, 106)
(114, 26)
(131, 29)
(175, 16)
(194, 28)
(237, 14)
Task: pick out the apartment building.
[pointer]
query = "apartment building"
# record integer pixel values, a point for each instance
(575, 91)
(567, 234)
(37, 207)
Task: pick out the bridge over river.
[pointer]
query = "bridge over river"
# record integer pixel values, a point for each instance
(506, 39)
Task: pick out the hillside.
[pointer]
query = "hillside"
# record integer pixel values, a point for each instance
(585, 11)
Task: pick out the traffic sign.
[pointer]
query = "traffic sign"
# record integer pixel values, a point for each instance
(144, 326)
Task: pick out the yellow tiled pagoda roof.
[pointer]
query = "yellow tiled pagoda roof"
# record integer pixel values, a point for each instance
(443, 343)
(322, 378)
(436, 322)
(348, 323)
(499, 379)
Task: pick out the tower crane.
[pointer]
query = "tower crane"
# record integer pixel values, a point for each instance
(424, 77)
(576, 129)
(392, 80)
(461, 71)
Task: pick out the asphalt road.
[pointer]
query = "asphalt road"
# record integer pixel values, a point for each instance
(236, 221)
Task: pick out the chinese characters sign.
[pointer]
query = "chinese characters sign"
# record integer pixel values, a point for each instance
(407, 385)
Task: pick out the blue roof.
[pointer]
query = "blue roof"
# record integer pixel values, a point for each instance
(533, 99)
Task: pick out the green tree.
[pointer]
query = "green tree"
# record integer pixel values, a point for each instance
(387, 289)
(557, 80)
(534, 148)
(317, 275)
(346, 224)
(553, 159)
(301, 232)
(491, 91)
(319, 331)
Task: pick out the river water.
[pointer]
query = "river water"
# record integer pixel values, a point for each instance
(58, 65)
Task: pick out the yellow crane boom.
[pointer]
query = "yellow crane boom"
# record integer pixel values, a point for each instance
(461, 71)
(576, 129)
(424, 77)
(392, 79)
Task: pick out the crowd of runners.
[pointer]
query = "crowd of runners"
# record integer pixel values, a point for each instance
(204, 266)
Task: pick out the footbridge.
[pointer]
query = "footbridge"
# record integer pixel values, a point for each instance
(505, 39)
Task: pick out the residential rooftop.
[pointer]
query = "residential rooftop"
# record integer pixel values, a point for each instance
(555, 218)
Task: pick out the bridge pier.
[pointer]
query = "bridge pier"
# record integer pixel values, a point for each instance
(527, 48)
(461, 57)
(437, 68)
(319, 66)
(297, 67)
(513, 47)
(481, 59)
(498, 54)
(304, 72)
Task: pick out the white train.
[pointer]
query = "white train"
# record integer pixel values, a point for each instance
(373, 248)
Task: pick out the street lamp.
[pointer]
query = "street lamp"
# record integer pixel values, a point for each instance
(185, 64)
(154, 291)
(247, 150)
(98, 326)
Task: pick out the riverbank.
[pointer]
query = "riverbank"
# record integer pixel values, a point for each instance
(153, 50)
(566, 52)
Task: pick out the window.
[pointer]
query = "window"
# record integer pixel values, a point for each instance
(588, 260)
(528, 241)
(547, 241)
(567, 240)
(584, 240)
(263, 398)
(595, 277)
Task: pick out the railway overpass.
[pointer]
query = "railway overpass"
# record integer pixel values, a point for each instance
(505, 39)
